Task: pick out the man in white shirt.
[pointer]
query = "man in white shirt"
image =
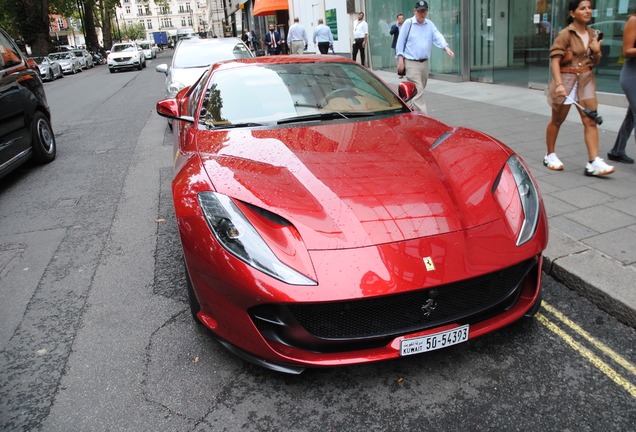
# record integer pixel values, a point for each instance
(323, 37)
(413, 50)
(297, 38)
(360, 36)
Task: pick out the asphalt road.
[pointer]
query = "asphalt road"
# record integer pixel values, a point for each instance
(95, 333)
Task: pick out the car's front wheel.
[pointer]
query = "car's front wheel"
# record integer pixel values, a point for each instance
(111, 70)
(43, 139)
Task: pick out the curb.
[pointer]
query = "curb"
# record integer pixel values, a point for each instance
(584, 270)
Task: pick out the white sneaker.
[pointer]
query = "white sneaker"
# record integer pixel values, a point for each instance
(553, 162)
(598, 167)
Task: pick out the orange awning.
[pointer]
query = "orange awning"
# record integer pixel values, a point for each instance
(268, 7)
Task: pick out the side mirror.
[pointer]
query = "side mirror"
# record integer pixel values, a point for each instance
(407, 91)
(163, 68)
(169, 108)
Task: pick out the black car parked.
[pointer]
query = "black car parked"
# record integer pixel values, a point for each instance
(25, 118)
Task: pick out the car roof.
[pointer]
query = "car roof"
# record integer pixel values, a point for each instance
(287, 59)
(207, 42)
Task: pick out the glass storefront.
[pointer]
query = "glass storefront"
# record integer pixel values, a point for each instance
(381, 15)
(508, 41)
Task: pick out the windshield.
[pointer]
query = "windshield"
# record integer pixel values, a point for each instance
(145, 46)
(39, 60)
(282, 92)
(78, 53)
(123, 47)
(199, 55)
(60, 56)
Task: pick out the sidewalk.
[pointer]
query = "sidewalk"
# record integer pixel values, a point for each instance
(592, 246)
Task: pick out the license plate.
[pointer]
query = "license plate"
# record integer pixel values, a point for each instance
(434, 341)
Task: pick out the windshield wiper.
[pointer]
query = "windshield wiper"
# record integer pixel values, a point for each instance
(324, 116)
(236, 125)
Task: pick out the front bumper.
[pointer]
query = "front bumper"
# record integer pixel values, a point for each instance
(124, 63)
(294, 327)
(66, 67)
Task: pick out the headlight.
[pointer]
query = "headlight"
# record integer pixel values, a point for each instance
(237, 235)
(174, 87)
(517, 195)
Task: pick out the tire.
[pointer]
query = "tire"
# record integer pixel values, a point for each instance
(111, 70)
(74, 71)
(195, 307)
(144, 64)
(140, 67)
(43, 139)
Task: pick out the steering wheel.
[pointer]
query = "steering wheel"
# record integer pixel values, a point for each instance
(348, 94)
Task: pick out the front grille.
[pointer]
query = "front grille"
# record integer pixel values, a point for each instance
(319, 326)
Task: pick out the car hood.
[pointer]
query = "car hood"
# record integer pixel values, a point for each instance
(64, 61)
(186, 76)
(363, 183)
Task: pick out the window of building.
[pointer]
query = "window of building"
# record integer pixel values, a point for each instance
(127, 9)
(140, 10)
(190, 20)
(166, 22)
(149, 24)
(187, 7)
(183, 22)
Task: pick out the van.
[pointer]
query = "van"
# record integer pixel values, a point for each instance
(185, 33)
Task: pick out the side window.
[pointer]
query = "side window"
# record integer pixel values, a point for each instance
(194, 93)
(9, 55)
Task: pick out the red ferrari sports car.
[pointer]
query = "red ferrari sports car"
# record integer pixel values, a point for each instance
(324, 223)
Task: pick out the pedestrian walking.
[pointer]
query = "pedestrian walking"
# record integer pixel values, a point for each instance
(272, 41)
(246, 37)
(323, 37)
(575, 51)
(395, 29)
(413, 51)
(360, 36)
(297, 38)
(628, 84)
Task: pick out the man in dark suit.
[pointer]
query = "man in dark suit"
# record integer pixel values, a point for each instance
(395, 30)
(272, 41)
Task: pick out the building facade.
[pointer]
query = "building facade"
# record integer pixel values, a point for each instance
(168, 16)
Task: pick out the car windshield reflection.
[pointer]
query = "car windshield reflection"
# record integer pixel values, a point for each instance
(60, 56)
(281, 93)
(192, 56)
(121, 48)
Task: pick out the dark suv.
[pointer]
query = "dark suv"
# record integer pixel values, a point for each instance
(25, 118)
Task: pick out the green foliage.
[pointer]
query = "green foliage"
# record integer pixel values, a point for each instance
(134, 32)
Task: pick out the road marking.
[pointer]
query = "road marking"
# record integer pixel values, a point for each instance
(598, 344)
(586, 353)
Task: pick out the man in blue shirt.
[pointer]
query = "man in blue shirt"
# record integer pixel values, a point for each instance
(297, 38)
(323, 37)
(413, 51)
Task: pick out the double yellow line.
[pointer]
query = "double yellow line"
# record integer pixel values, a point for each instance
(589, 355)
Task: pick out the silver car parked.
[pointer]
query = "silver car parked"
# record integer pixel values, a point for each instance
(86, 60)
(49, 69)
(68, 61)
